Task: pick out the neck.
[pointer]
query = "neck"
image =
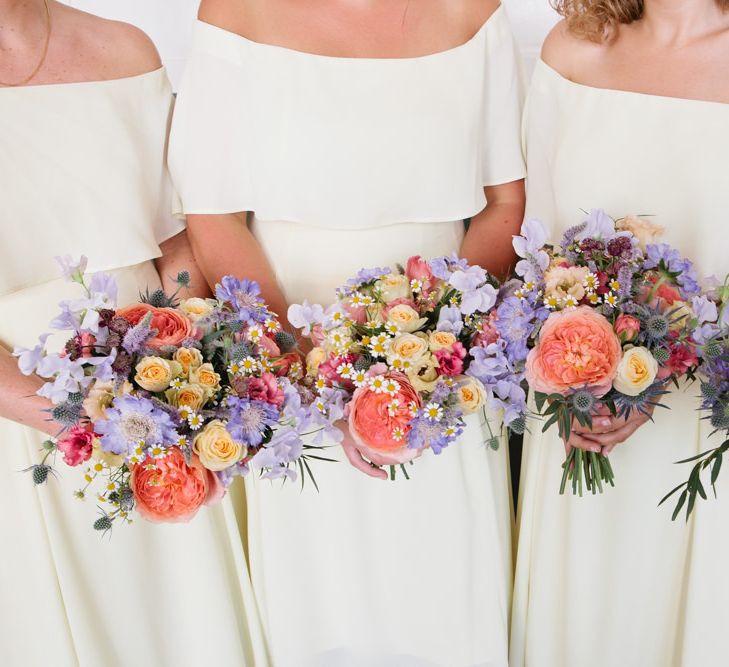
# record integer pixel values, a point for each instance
(21, 21)
(678, 22)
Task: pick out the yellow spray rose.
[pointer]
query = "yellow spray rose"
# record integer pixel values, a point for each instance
(441, 340)
(100, 398)
(406, 318)
(196, 308)
(155, 374)
(471, 395)
(424, 375)
(394, 286)
(636, 372)
(188, 358)
(316, 357)
(191, 395)
(216, 448)
(206, 377)
(408, 347)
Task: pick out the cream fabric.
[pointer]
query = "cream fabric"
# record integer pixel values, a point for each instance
(151, 595)
(329, 153)
(346, 143)
(609, 580)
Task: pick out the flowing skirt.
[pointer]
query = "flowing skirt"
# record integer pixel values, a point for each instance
(148, 595)
(610, 580)
(371, 573)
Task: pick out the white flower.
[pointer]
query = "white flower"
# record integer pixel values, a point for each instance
(636, 372)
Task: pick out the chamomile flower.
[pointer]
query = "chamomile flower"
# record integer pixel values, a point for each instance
(530, 286)
(614, 285)
(391, 387)
(98, 466)
(88, 478)
(254, 333)
(591, 282)
(296, 371)
(345, 371)
(182, 442)
(249, 365)
(372, 324)
(551, 302)
(413, 409)
(377, 384)
(393, 407)
(450, 431)
(433, 412)
(137, 456)
(185, 412)
(176, 383)
(357, 300)
(368, 301)
(570, 301)
(321, 406)
(400, 364)
(520, 294)
(610, 299)
(157, 452)
(195, 421)
(416, 285)
(264, 363)
(320, 383)
(392, 328)
(234, 368)
(593, 298)
(359, 379)
(271, 325)
(398, 434)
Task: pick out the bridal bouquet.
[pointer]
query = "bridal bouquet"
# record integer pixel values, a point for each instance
(614, 328)
(396, 344)
(712, 338)
(167, 402)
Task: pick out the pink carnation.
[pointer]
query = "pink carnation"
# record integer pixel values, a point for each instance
(266, 388)
(77, 445)
(450, 362)
(683, 358)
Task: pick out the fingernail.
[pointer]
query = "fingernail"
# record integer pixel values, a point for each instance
(597, 450)
(604, 423)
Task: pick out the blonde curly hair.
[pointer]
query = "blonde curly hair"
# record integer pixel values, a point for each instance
(594, 19)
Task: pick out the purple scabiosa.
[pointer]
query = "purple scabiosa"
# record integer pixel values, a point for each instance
(133, 422)
(244, 296)
(363, 277)
(249, 420)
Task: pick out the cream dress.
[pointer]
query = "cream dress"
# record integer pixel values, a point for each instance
(610, 581)
(83, 173)
(351, 163)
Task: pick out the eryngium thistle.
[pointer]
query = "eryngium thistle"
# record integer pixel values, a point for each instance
(103, 523)
(709, 391)
(720, 417)
(40, 473)
(362, 364)
(157, 298)
(76, 398)
(518, 426)
(183, 279)
(583, 401)
(67, 414)
(657, 326)
(240, 351)
(126, 500)
(285, 341)
(713, 349)
(661, 355)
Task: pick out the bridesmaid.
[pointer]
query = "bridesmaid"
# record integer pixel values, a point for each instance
(84, 112)
(310, 140)
(629, 111)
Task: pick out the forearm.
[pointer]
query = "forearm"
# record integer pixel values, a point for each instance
(488, 240)
(178, 256)
(18, 399)
(223, 245)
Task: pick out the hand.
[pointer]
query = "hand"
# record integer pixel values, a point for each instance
(354, 456)
(607, 431)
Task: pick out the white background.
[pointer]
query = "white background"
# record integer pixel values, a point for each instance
(169, 24)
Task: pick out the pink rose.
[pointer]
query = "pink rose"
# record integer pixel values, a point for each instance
(576, 348)
(418, 269)
(450, 362)
(282, 365)
(627, 327)
(268, 344)
(357, 314)
(265, 388)
(168, 490)
(77, 445)
(399, 302)
(379, 423)
(489, 333)
(172, 326)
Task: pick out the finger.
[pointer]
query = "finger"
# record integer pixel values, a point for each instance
(599, 425)
(356, 459)
(578, 441)
(603, 410)
(614, 438)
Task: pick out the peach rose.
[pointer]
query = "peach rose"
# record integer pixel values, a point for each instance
(192, 396)
(172, 326)
(645, 231)
(196, 308)
(405, 317)
(216, 448)
(379, 423)
(188, 357)
(576, 348)
(206, 377)
(441, 340)
(168, 490)
(394, 286)
(155, 374)
(636, 372)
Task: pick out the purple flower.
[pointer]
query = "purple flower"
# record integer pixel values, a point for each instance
(28, 359)
(599, 225)
(244, 296)
(104, 286)
(530, 247)
(136, 338)
(132, 422)
(515, 323)
(306, 315)
(704, 309)
(665, 258)
(73, 271)
(250, 419)
(443, 267)
(476, 294)
(285, 447)
(363, 277)
(451, 320)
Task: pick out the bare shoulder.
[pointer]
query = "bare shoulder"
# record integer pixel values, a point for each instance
(568, 54)
(112, 49)
(231, 15)
(471, 14)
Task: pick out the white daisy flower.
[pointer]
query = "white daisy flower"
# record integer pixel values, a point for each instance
(434, 412)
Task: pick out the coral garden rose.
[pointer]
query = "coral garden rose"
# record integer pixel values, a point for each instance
(576, 348)
(169, 490)
(77, 445)
(627, 327)
(155, 374)
(188, 357)
(636, 372)
(379, 422)
(471, 395)
(172, 326)
(216, 448)
(394, 286)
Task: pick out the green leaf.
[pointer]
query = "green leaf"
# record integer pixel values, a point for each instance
(716, 468)
(679, 505)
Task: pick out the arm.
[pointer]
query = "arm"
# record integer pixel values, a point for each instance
(18, 399)
(488, 240)
(177, 256)
(223, 245)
